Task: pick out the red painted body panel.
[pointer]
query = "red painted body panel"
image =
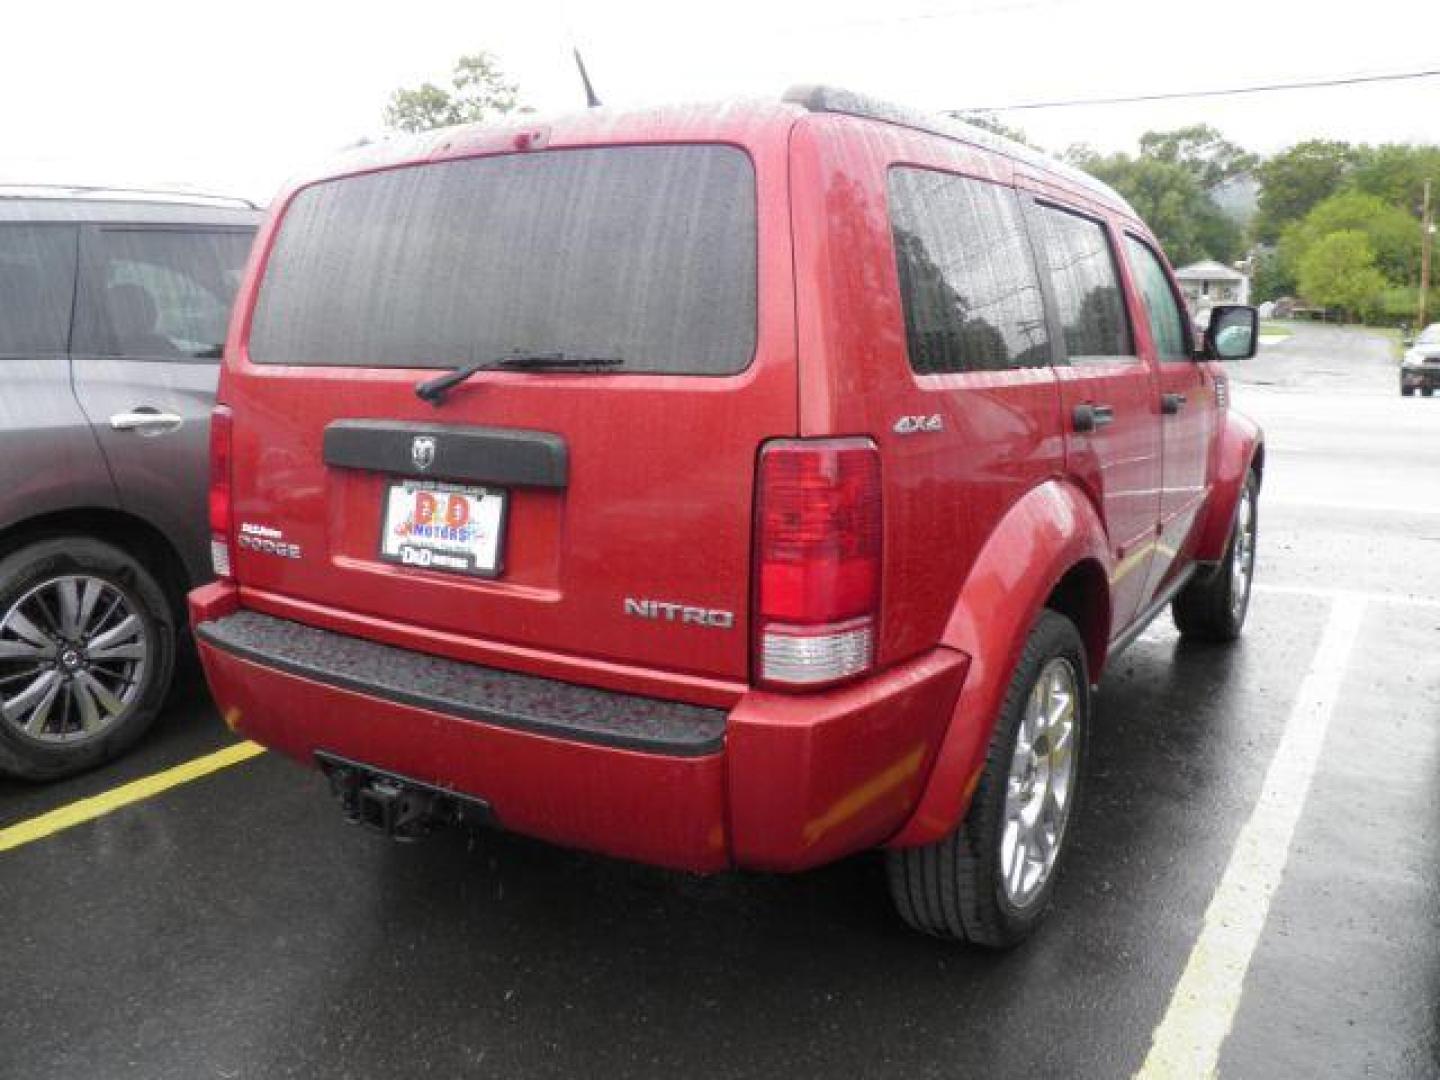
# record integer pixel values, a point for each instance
(664, 810)
(1051, 530)
(661, 466)
(1239, 446)
(1002, 432)
(981, 518)
(802, 780)
(818, 777)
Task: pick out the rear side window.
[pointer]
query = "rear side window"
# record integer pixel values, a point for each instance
(37, 287)
(1162, 310)
(643, 253)
(967, 277)
(1076, 251)
(160, 293)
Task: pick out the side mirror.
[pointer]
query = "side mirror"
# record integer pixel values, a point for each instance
(1233, 333)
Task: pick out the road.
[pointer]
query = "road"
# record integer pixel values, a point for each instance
(235, 927)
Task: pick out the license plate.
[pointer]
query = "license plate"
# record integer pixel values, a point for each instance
(438, 526)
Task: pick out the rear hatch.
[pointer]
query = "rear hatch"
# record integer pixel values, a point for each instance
(601, 510)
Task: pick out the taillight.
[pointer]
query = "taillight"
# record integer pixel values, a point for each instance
(817, 561)
(221, 514)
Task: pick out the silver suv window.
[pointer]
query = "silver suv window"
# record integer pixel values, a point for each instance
(157, 293)
(37, 287)
(646, 253)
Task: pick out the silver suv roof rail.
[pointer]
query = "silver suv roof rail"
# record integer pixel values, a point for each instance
(123, 194)
(834, 99)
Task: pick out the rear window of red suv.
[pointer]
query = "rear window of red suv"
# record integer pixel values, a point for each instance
(645, 253)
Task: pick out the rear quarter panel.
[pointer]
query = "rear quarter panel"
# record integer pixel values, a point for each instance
(945, 491)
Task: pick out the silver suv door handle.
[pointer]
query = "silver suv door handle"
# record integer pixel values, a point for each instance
(146, 421)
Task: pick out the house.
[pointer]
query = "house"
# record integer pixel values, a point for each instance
(1208, 283)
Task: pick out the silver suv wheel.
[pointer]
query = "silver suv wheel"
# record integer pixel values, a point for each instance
(73, 657)
(1041, 780)
(1243, 562)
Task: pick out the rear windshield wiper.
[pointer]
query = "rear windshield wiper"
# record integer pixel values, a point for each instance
(434, 390)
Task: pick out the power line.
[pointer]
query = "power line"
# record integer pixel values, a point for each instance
(1312, 84)
(1005, 7)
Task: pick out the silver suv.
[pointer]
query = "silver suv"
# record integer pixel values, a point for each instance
(113, 311)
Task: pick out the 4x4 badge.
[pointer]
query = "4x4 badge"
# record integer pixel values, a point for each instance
(422, 452)
(910, 425)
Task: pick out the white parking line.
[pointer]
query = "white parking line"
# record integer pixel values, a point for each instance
(1189, 1039)
(1378, 509)
(1323, 592)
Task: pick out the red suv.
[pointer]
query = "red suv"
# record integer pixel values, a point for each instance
(742, 486)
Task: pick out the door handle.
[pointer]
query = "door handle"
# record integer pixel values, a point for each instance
(1170, 403)
(1091, 417)
(146, 421)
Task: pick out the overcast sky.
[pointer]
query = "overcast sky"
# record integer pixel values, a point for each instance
(162, 91)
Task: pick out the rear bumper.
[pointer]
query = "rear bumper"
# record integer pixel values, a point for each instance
(779, 782)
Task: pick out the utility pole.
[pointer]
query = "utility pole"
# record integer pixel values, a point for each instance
(1427, 241)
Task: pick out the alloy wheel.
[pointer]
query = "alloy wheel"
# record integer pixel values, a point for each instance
(74, 651)
(1041, 783)
(1242, 564)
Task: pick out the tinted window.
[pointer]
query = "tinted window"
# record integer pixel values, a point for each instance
(161, 292)
(1087, 288)
(645, 253)
(37, 286)
(967, 278)
(1162, 311)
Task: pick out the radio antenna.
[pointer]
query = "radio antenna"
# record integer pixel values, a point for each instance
(590, 99)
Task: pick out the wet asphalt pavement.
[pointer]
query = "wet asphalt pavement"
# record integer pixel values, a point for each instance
(235, 927)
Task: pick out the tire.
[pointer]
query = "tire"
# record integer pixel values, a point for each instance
(958, 887)
(1213, 607)
(1407, 391)
(1426, 392)
(87, 651)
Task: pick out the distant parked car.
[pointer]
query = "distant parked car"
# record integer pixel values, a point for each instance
(1420, 369)
(113, 310)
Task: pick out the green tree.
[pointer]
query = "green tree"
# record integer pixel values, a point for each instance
(1293, 181)
(1338, 271)
(1200, 149)
(1393, 234)
(1397, 173)
(1169, 185)
(1170, 198)
(478, 91)
(1272, 277)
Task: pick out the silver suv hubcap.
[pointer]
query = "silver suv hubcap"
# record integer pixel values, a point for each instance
(1041, 782)
(1241, 564)
(73, 655)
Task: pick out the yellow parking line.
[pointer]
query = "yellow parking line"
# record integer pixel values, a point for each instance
(77, 813)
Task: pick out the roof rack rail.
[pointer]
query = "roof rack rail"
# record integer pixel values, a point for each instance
(94, 191)
(834, 99)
